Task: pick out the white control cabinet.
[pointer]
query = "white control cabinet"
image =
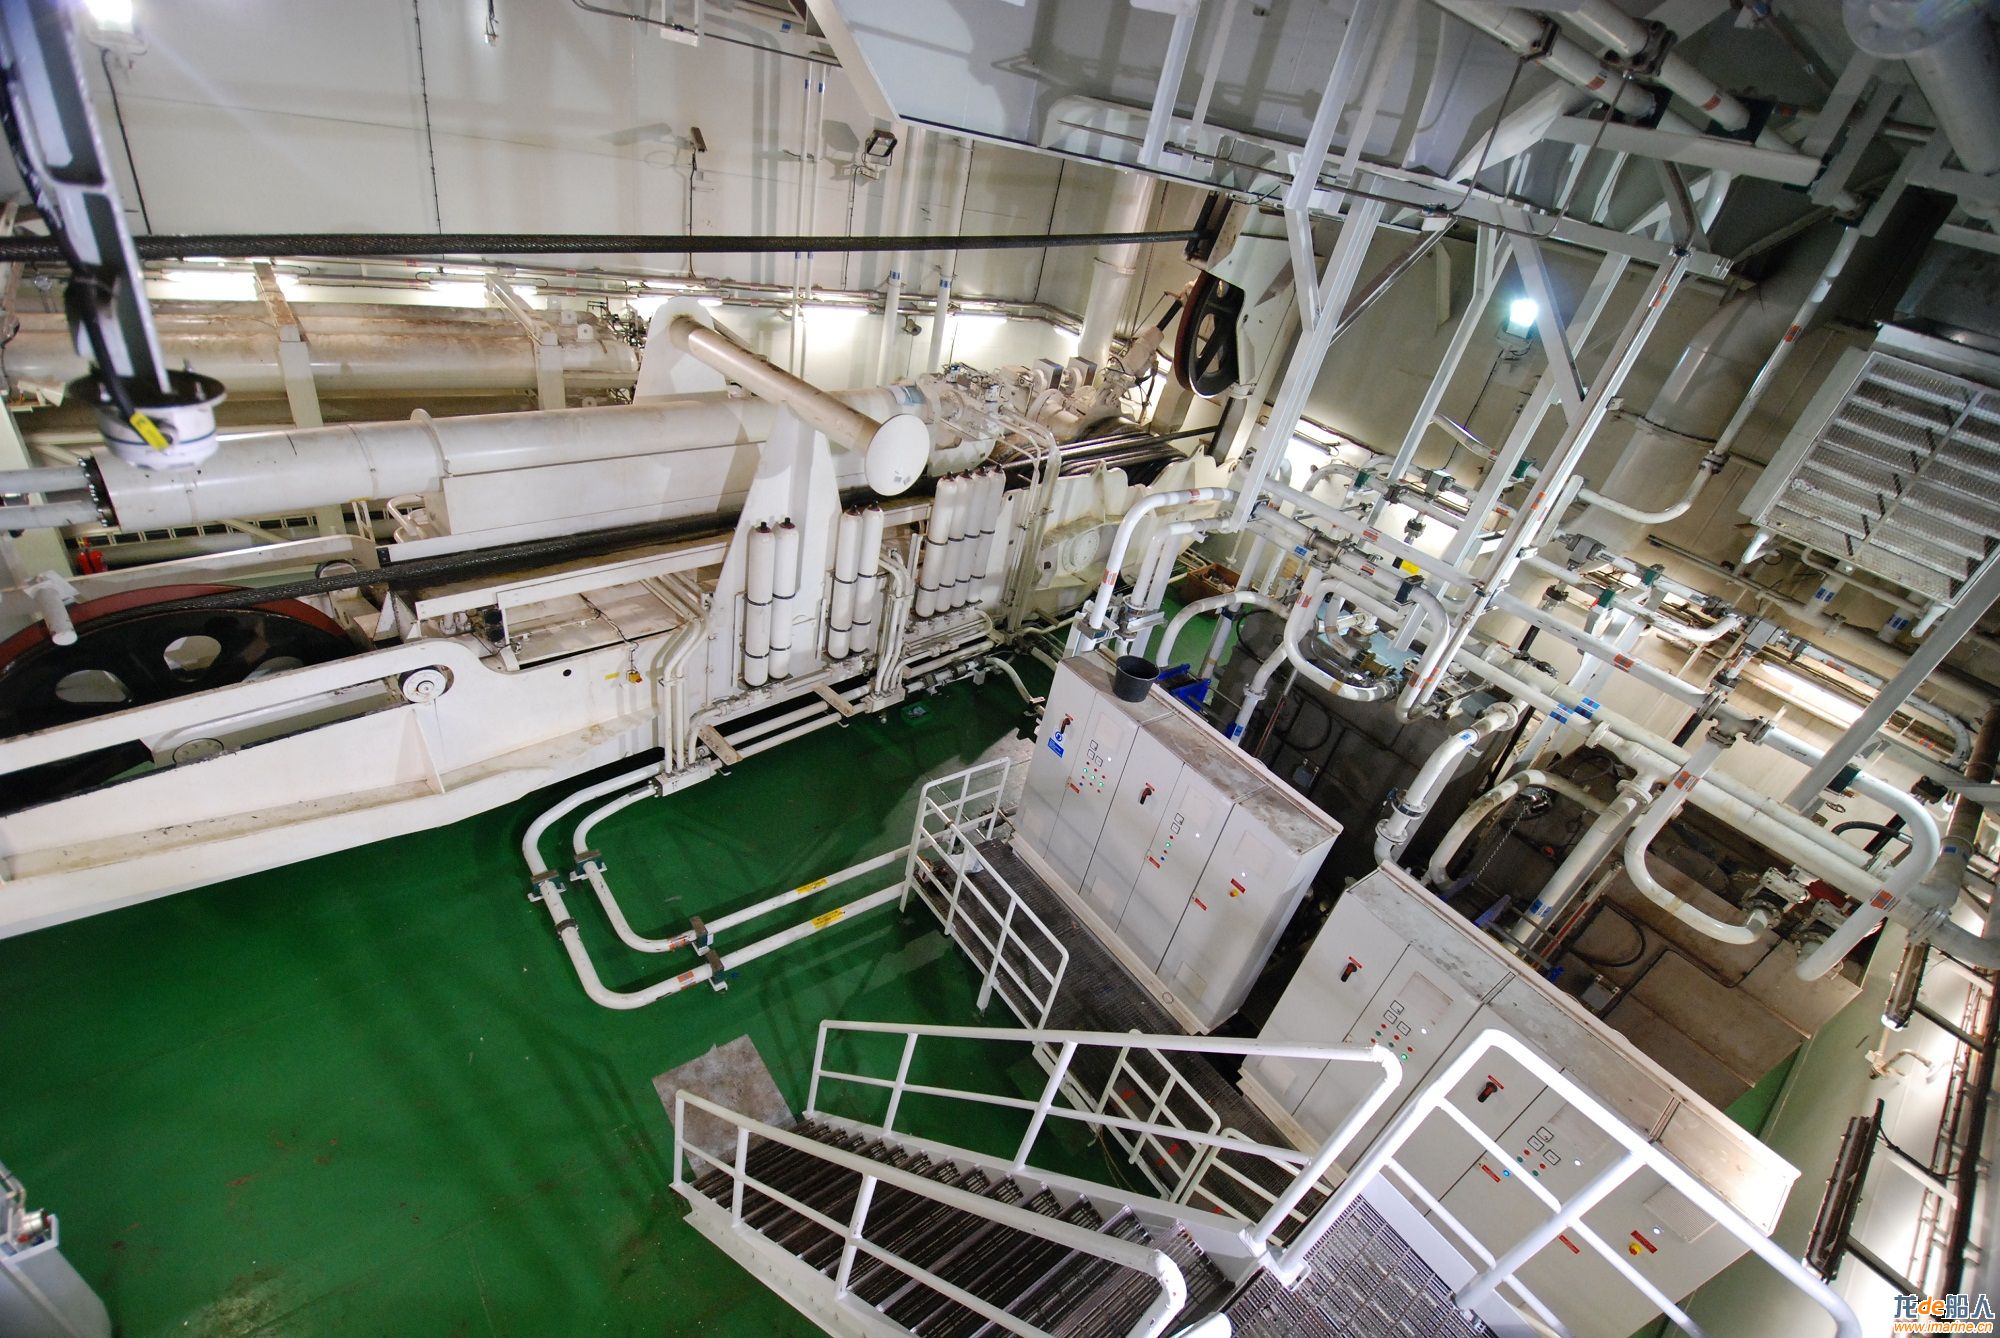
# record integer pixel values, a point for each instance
(1079, 700)
(1395, 966)
(1182, 851)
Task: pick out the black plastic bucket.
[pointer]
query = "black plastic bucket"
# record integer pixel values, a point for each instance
(1135, 678)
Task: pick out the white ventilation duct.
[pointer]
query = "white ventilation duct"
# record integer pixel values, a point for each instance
(1952, 53)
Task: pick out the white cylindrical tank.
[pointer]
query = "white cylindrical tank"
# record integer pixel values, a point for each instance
(759, 568)
(867, 579)
(784, 595)
(840, 600)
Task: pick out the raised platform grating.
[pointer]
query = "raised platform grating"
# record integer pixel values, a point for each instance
(1366, 1282)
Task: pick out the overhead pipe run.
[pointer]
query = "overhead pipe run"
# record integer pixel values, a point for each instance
(1408, 809)
(431, 245)
(896, 449)
(1658, 813)
(1953, 53)
(1926, 909)
(1438, 872)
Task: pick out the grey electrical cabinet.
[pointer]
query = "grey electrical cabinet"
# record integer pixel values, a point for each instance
(1394, 966)
(1181, 847)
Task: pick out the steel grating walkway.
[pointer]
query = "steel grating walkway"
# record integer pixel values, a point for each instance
(1366, 1282)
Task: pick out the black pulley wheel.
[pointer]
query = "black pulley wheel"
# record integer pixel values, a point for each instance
(1205, 352)
(126, 654)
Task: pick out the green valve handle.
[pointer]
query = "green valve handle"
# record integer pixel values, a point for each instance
(1652, 574)
(1606, 597)
(1521, 470)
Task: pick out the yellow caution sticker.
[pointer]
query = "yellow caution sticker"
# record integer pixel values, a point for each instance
(822, 921)
(803, 888)
(149, 431)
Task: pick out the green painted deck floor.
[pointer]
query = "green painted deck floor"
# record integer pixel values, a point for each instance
(365, 1095)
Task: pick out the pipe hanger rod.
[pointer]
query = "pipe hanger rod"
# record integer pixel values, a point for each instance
(426, 245)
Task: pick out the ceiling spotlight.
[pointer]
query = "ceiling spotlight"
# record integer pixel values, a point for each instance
(1522, 313)
(709, 302)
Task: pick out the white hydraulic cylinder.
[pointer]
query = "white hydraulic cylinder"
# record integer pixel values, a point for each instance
(759, 567)
(784, 597)
(958, 559)
(840, 600)
(934, 570)
(867, 579)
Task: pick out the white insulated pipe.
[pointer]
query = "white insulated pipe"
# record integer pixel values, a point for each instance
(353, 348)
(1620, 32)
(895, 448)
(1407, 810)
(1526, 34)
(957, 572)
(958, 183)
(285, 472)
(1112, 270)
(1296, 626)
(1477, 811)
(840, 600)
(1766, 818)
(1229, 599)
(1688, 694)
(759, 584)
(1953, 53)
(991, 542)
(1121, 541)
(905, 225)
(784, 596)
(1658, 813)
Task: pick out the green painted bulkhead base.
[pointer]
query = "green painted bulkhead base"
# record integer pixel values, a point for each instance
(365, 1095)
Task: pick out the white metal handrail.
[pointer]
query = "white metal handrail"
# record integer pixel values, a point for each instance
(954, 813)
(1128, 1090)
(1257, 1236)
(1214, 1163)
(1565, 1216)
(852, 1232)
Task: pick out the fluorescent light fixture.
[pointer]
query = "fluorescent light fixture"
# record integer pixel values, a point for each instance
(1522, 313)
(710, 302)
(111, 13)
(188, 285)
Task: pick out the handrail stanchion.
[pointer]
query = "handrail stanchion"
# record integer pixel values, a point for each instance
(1331, 1149)
(848, 1247)
(1048, 1099)
(902, 1077)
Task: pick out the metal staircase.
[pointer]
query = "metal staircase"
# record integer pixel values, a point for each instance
(869, 1230)
(1041, 1283)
